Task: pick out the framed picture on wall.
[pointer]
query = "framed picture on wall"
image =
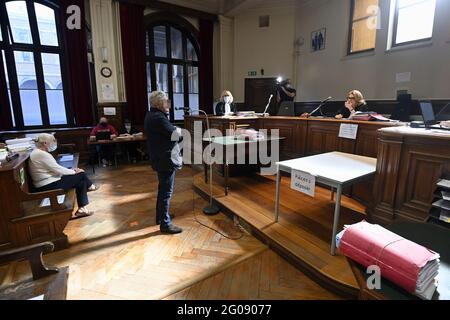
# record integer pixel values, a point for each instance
(318, 39)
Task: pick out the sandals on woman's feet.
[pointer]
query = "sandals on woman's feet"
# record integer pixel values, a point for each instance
(95, 188)
(82, 214)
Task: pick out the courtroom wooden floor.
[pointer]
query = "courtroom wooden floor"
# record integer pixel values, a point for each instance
(119, 253)
(304, 229)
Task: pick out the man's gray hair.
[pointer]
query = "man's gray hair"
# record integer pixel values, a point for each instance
(43, 138)
(157, 98)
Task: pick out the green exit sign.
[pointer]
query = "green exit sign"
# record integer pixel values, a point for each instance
(252, 73)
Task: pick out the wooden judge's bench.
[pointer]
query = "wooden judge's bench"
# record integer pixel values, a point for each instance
(410, 161)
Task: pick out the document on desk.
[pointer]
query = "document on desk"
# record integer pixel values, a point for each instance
(66, 157)
(348, 131)
(41, 297)
(444, 184)
(46, 202)
(303, 182)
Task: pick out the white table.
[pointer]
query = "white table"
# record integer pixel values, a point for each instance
(335, 169)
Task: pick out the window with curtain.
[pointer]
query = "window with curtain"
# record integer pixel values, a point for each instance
(31, 57)
(413, 21)
(172, 66)
(363, 25)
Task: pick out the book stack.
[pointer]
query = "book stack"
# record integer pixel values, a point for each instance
(401, 261)
(19, 145)
(441, 202)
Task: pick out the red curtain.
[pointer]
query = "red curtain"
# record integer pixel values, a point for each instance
(133, 51)
(77, 66)
(206, 65)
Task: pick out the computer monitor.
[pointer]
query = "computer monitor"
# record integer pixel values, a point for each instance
(402, 111)
(287, 108)
(103, 135)
(427, 113)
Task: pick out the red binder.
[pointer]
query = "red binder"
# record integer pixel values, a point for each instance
(399, 259)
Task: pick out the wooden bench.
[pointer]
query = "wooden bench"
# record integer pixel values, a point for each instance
(23, 221)
(48, 282)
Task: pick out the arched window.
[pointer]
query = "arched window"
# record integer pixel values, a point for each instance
(173, 65)
(31, 58)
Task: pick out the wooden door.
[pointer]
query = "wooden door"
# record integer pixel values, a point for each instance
(257, 93)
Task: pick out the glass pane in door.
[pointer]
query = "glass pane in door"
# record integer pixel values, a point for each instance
(178, 91)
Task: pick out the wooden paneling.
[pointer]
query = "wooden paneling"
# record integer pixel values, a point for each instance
(4, 234)
(294, 132)
(304, 137)
(410, 162)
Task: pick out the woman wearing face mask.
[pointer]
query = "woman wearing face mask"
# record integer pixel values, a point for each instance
(226, 105)
(47, 174)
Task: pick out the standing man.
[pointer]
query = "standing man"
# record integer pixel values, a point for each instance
(285, 91)
(165, 156)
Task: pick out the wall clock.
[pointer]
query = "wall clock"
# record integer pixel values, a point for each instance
(106, 72)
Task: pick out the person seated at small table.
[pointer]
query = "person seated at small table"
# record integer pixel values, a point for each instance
(104, 151)
(46, 174)
(226, 105)
(127, 130)
(355, 102)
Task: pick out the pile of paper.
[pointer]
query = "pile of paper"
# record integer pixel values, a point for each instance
(405, 263)
(18, 145)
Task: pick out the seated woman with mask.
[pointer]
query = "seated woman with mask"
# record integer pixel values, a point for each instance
(47, 174)
(355, 102)
(226, 105)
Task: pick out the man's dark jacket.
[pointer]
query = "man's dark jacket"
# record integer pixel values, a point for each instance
(164, 153)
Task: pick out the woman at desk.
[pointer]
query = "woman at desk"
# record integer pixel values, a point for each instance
(355, 102)
(226, 105)
(47, 174)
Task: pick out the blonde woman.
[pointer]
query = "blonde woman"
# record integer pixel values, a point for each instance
(355, 102)
(47, 174)
(226, 105)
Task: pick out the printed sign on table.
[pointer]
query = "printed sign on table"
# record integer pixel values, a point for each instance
(303, 182)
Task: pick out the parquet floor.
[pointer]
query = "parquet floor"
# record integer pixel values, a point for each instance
(119, 253)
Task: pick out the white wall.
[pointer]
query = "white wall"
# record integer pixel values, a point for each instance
(257, 48)
(105, 33)
(331, 72)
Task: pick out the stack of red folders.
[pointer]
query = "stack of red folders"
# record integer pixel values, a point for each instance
(403, 262)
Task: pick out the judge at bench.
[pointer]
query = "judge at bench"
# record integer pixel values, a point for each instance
(226, 105)
(355, 102)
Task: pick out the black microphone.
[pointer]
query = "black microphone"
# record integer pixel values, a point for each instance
(182, 109)
(320, 106)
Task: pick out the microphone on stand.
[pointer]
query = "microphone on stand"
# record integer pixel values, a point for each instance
(267, 106)
(211, 209)
(320, 106)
